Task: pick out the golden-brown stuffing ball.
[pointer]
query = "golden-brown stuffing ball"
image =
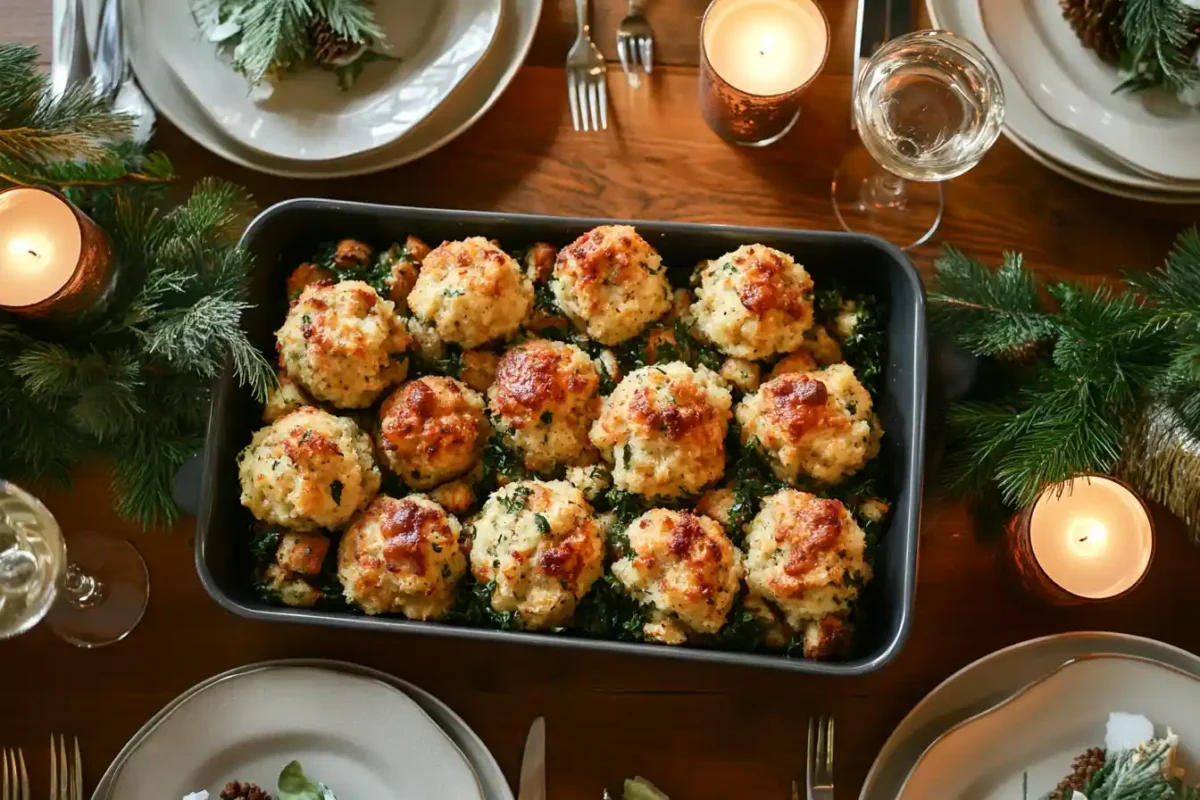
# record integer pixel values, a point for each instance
(817, 423)
(283, 398)
(754, 302)
(611, 283)
(685, 568)
(432, 430)
(402, 557)
(343, 344)
(471, 292)
(663, 430)
(308, 469)
(543, 401)
(805, 555)
(479, 369)
(540, 543)
(304, 276)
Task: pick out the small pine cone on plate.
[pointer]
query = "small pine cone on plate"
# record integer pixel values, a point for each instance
(1099, 24)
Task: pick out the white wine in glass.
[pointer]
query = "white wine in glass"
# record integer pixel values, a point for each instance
(93, 598)
(928, 106)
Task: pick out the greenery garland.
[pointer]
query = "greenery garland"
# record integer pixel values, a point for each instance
(134, 389)
(1069, 369)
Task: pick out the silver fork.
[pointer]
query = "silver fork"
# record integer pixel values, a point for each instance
(818, 772)
(635, 44)
(14, 782)
(586, 69)
(66, 778)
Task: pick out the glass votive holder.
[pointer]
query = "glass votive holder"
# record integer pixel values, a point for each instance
(756, 59)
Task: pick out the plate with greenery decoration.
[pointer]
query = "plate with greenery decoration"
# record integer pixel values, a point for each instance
(1150, 130)
(279, 77)
(1099, 727)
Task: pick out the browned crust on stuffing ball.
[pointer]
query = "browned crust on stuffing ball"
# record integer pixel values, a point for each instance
(596, 262)
(307, 447)
(407, 528)
(535, 375)
(829, 638)
(539, 261)
(303, 553)
(762, 288)
(676, 420)
(813, 529)
(573, 551)
(798, 404)
(428, 416)
(416, 249)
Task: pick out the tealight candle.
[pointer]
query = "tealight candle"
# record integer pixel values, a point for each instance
(54, 261)
(1085, 541)
(756, 58)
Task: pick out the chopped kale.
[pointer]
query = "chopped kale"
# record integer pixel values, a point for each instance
(608, 612)
(543, 524)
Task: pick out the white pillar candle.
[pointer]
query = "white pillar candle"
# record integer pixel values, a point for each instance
(40, 244)
(765, 47)
(1095, 539)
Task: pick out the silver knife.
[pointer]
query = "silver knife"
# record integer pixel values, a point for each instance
(878, 21)
(533, 763)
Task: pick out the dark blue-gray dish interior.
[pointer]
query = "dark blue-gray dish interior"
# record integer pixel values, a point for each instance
(287, 233)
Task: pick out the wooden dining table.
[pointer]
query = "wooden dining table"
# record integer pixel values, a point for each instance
(697, 731)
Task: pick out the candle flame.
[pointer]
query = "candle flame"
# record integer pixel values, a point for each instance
(1087, 537)
(19, 246)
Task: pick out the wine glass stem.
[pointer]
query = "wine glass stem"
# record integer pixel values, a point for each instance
(884, 190)
(81, 589)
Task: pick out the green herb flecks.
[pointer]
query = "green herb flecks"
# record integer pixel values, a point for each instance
(335, 489)
(514, 503)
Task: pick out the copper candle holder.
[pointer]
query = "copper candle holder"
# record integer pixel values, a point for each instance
(738, 114)
(1019, 554)
(89, 288)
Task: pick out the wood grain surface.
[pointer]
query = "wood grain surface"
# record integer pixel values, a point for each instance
(699, 732)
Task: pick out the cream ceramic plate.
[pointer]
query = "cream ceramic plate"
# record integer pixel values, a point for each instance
(1023, 120)
(308, 117)
(988, 681)
(1150, 131)
(1036, 733)
(361, 737)
(477, 93)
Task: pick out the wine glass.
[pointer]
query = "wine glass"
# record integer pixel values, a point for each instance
(95, 598)
(927, 106)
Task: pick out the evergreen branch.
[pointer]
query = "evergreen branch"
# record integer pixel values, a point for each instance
(274, 36)
(352, 20)
(989, 313)
(143, 471)
(1157, 37)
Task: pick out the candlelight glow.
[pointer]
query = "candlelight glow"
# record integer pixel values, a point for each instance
(1087, 537)
(765, 47)
(40, 244)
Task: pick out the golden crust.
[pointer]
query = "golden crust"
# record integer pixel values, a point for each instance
(611, 283)
(402, 556)
(432, 430)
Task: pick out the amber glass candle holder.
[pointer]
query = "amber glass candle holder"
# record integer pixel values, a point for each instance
(56, 264)
(1088, 541)
(756, 59)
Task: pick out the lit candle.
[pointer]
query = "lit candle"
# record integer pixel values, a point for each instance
(1089, 540)
(756, 58)
(54, 261)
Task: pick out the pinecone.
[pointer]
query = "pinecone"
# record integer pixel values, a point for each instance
(327, 46)
(1098, 24)
(1082, 770)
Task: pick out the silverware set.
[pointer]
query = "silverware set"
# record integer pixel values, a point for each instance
(66, 772)
(587, 70)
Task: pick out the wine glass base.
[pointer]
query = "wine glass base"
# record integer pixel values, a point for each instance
(869, 199)
(116, 609)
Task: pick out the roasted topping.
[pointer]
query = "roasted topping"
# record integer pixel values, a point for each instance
(814, 529)
(408, 528)
(765, 285)
(798, 403)
(539, 261)
(351, 253)
(685, 534)
(675, 420)
(303, 553)
(602, 259)
(567, 559)
(307, 447)
(528, 376)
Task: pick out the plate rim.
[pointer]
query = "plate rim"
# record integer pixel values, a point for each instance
(1101, 638)
(225, 680)
(494, 8)
(301, 170)
(1054, 674)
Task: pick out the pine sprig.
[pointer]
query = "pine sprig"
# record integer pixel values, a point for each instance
(1157, 35)
(134, 388)
(1087, 360)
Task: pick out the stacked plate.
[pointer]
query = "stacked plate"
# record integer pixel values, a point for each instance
(454, 60)
(1023, 713)
(1062, 111)
(361, 732)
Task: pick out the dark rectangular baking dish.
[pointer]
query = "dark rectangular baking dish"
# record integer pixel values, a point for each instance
(287, 233)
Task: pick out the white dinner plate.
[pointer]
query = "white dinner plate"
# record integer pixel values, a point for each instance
(1035, 735)
(1150, 131)
(1023, 120)
(986, 682)
(466, 104)
(307, 116)
(359, 736)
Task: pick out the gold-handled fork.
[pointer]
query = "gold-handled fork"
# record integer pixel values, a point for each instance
(14, 781)
(66, 776)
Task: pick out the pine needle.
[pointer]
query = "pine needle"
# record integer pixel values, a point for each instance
(1157, 36)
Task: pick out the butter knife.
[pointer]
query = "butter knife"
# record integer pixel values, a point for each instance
(533, 763)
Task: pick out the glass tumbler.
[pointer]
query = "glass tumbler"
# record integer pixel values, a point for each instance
(928, 106)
